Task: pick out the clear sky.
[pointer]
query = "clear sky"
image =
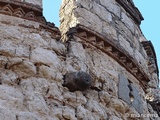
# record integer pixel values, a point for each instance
(150, 26)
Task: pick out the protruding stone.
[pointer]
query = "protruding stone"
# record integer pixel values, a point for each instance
(77, 81)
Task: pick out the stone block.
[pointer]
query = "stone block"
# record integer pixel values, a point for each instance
(35, 2)
(88, 19)
(34, 40)
(87, 4)
(75, 64)
(123, 30)
(68, 113)
(141, 60)
(22, 51)
(109, 31)
(137, 101)
(77, 81)
(123, 89)
(57, 46)
(77, 50)
(125, 45)
(111, 6)
(24, 68)
(128, 22)
(101, 12)
(7, 48)
(26, 116)
(56, 112)
(8, 77)
(46, 57)
(11, 98)
(129, 93)
(84, 114)
(6, 114)
(35, 102)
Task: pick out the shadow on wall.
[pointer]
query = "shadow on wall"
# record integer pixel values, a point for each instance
(51, 11)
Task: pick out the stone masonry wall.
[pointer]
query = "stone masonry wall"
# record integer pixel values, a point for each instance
(34, 64)
(109, 19)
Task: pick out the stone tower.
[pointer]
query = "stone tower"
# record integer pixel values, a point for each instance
(96, 66)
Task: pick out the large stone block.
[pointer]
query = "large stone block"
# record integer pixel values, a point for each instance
(128, 22)
(123, 89)
(96, 107)
(137, 101)
(111, 6)
(89, 19)
(46, 57)
(125, 45)
(101, 12)
(129, 93)
(77, 50)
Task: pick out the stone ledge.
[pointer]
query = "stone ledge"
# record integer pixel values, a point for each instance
(22, 4)
(91, 38)
(29, 12)
(148, 46)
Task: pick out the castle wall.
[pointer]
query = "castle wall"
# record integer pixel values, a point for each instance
(111, 26)
(34, 62)
(110, 20)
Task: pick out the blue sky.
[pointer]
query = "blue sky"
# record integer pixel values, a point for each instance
(150, 26)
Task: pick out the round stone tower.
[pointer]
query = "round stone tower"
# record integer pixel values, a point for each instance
(109, 31)
(104, 69)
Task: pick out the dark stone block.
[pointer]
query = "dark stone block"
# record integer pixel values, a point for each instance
(128, 92)
(137, 102)
(77, 81)
(123, 89)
